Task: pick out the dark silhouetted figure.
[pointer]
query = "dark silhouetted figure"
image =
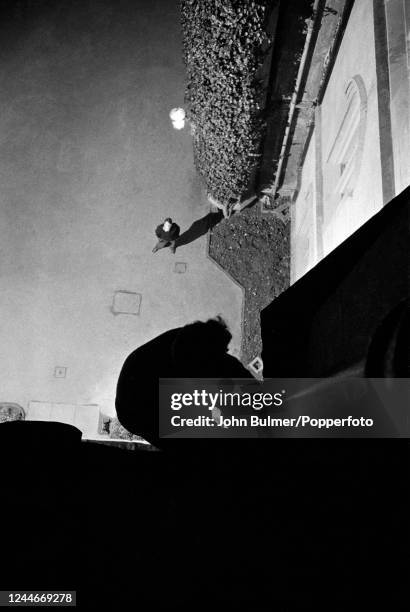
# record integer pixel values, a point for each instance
(167, 233)
(197, 350)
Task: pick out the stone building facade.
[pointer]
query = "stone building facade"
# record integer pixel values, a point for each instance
(358, 157)
(345, 152)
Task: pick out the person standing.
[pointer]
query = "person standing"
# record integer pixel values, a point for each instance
(167, 234)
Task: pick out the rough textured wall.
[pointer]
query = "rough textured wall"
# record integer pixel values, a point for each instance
(224, 47)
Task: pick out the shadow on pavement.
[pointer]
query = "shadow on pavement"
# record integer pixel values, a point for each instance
(199, 228)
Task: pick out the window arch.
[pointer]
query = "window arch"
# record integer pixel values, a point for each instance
(347, 150)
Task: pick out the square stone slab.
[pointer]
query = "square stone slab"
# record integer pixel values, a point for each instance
(126, 302)
(180, 267)
(60, 372)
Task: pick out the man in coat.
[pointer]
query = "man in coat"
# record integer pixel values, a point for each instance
(167, 234)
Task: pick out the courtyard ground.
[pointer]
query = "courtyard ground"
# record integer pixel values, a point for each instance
(89, 166)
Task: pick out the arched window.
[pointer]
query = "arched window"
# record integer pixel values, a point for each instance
(347, 149)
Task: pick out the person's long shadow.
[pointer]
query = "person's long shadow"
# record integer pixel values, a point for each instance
(199, 228)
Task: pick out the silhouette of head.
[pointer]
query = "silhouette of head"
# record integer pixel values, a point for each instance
(167, 224)
(199, 346)
(197, 350)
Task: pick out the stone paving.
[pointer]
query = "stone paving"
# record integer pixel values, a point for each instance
(89, 166)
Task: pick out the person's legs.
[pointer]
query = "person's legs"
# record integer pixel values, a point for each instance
(173, 246)
(160, 245)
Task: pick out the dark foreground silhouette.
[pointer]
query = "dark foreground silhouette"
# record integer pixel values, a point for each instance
(239, 524)
(197, 350)
(120, 527)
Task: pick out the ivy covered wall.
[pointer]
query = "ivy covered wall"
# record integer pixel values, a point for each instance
(224, 45)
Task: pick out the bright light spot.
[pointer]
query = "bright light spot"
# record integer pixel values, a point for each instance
(177, 116)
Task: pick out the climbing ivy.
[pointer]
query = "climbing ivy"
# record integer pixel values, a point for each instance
(224, 45)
